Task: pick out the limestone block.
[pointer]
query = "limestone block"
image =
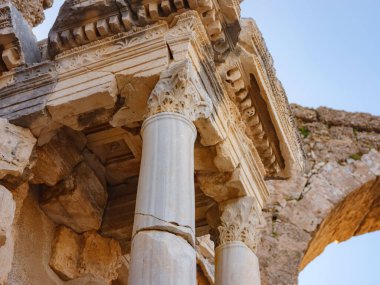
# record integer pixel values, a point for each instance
(169, 256)
(306, 114)
(17, 39)
(211, 130)
(222, 186)
(7, 212)
(204, 158)
(372, 160)
(56, 159)
(93, 161)
(136, 91)
(123, 272)
(74, 97)
(77, 202)
(206, 259)
(65, 253)
(16, 145)
(226, 159)
(100, 257)
(359, 121)
(88, 255)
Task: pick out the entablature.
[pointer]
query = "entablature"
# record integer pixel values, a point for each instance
(80, 22)
(108, 82)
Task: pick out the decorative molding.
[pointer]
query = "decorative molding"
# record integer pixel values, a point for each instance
(240, 221)
(180, 90)
(221, 22)
(253, 44)
(102, 49)
(239, 92)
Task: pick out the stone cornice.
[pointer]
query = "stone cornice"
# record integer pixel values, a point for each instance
(255, 59)
(220, 20)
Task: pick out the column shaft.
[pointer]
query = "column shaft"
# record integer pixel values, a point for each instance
(235, 264)
(164, 226)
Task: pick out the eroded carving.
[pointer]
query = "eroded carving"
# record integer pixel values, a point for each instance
(240, 221)
(180, 90)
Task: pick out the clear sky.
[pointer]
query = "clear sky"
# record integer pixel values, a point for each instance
(327, 53)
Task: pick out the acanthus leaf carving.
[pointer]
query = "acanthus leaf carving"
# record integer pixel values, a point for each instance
(240, 221)
(181, 91)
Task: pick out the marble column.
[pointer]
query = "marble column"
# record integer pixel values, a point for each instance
(164, 227)
(235, 258)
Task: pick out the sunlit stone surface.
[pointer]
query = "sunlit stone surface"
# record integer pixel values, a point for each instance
(150, 142)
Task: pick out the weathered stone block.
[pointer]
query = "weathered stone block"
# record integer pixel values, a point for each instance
(65, 254)
(100, 257)
(17, 39)
(72, 98)
(7, 212)
(16, 145)
(75, 256)
(77, 202)
(57, 159)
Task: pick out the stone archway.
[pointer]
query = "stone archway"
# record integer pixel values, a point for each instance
(336, 203)
(338, 197)
(357, 214)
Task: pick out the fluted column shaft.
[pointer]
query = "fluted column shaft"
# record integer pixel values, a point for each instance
(162, 247)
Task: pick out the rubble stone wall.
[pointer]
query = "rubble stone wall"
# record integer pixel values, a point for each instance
(338, 197)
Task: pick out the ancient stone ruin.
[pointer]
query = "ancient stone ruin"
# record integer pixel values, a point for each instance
(149, 142)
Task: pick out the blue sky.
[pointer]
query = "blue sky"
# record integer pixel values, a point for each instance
(327, 53)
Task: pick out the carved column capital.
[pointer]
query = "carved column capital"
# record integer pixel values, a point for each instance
(181, 91)
(240, 220)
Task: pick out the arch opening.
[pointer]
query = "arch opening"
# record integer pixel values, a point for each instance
(357, 214)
